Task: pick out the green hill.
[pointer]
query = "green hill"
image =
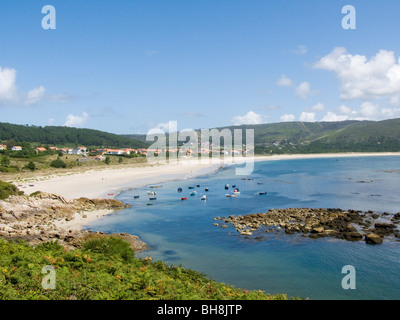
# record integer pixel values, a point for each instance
(65, 136)
(315, 137)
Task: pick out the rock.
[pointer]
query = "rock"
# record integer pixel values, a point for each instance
(351, 228)
(317, 230)
(383, 229)
(373, 238)
(331, 233)
(353, 236)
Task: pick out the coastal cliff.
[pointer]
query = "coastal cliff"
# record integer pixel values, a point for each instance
(45, 217)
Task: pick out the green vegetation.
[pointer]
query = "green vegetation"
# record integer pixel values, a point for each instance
(64, 136)
(8, 189)
(104, 269)
(30, 166)
(319, 137)
(58, 163)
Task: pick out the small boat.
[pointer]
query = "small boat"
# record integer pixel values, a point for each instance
(153, 198)
(149, 204)
(111, 194)
(151, 193)
(226, 186)
(179, 189)
(184, 198)
(206, 189)
(198, 186)
(204, 197)
(155, 186)
(193, 193)
(231, 195)
(135, 197)
(262, 193)
(190, 187)
(234, 186)
(236, 192)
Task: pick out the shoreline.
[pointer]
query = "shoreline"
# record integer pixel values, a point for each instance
(107, 183)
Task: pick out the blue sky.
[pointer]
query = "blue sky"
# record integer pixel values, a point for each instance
(129, 66)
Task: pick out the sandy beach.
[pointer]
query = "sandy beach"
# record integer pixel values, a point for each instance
(107, 183)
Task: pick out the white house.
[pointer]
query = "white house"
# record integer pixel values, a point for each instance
(79, 150)
(16, 148)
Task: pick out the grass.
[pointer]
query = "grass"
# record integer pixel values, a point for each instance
(8, 189)
(105, 269)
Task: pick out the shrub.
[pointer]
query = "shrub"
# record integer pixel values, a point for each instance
(8, 189)
(110, 247)
(58, 164)
(31, 166)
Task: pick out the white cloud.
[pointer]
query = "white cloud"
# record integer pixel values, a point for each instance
(249, 118)
(303, 90)
(361, 78)
(368, 111)
(8, 88)
(318, 107)
(301, 49)
(344, 110)
(391, 112)
(331, 116)
(288, 117)
(307, 117)
(10, 96)
(76, 121)
(284, 81)
(35, 95)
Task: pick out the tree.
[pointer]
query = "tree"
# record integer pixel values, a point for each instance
(58, 164)
(10, 143)
(119, 160)
(4, 161)
(31, 166)
(107, 160)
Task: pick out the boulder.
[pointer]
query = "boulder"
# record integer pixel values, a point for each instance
(317, 230)
(383, 229)
(373, 238)
(353, 236)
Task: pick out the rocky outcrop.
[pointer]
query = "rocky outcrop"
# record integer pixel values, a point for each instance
(348, 225)
(41, 218)
(373, 238)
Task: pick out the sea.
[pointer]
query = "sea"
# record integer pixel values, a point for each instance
(181, 232)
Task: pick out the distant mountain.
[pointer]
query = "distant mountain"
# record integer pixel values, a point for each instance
(65, 136)
(315, 137)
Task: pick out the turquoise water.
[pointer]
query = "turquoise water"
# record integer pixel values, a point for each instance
(182, 232)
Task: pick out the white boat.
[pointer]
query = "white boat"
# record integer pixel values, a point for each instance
(232, 195)
(151, 193)
(204, 197)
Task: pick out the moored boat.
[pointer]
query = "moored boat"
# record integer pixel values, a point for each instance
(204, 197)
